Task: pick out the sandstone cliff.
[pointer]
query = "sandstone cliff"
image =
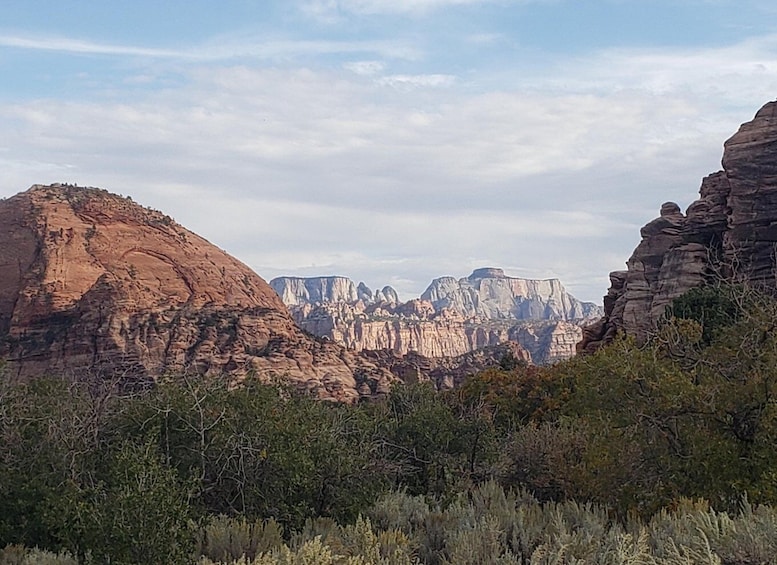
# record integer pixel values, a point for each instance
(299, 291)
(488, 293)
(548, 342)
(89, 279)
(730, 232)
(452, 318)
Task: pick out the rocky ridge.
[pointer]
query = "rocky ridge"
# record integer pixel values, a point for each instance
(452, 317)
(91, 280)
(729, 233)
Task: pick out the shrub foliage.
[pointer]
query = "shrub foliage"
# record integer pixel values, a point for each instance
(658, 452)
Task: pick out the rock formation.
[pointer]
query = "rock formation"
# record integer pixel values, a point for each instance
(92, 280)
(453, 317)
(548, 342)
(487, 293)
(730, 232)
(299, 291)
(446, 372)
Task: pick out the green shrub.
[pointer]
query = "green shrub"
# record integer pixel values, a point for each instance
(399, 511)
(545, 458)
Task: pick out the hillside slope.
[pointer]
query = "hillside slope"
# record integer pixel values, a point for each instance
(91, 280)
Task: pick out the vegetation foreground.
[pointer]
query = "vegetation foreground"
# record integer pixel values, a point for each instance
(656, 453)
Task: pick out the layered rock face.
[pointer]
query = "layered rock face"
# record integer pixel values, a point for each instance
(453, 317)
(488, 293)
(730, 232)
(548, 342)
(90, 280)
(446, 372)
(299, 291)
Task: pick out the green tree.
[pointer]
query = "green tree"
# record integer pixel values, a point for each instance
(425, 443)
(50, 446)
(141, 513)
(714, 307)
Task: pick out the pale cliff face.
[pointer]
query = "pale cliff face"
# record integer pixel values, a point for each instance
(453, 317)
(317, 290)
(728, 232)
(298, 291)
(489, 294)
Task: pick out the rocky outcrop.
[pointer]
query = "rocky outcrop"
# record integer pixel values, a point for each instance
(91, 280)
(411, 327)
(729, 233)
(452, 318)
(300, 291)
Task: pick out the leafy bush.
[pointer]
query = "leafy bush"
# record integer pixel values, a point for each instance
(142, 515)
(545, 458)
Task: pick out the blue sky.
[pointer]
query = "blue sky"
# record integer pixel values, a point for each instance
(388, 141)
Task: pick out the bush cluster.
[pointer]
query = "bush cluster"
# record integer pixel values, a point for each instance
(593, 460)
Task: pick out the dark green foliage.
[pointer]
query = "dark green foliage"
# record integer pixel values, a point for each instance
(49, 450)
(713, 307)
(140, 514)
(432, 443)
(67, 486)
(508, 362)
(684, 415)
(260, 451)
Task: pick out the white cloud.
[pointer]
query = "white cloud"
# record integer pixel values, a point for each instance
(365, 68)
(70, 45)
(733, 74)
(331, 9)
(406, 82)
(217, 49)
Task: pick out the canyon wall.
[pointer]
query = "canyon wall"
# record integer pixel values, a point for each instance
(451, 318)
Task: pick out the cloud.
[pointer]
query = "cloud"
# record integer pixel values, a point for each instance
(365, 68)
(736, 72)
(319, 171)
(417, 81)
(216, 49)
(331, 9)
(70, 45)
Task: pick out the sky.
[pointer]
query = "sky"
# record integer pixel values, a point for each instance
(389, 141)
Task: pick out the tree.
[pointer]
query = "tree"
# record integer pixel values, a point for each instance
(141, 513)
